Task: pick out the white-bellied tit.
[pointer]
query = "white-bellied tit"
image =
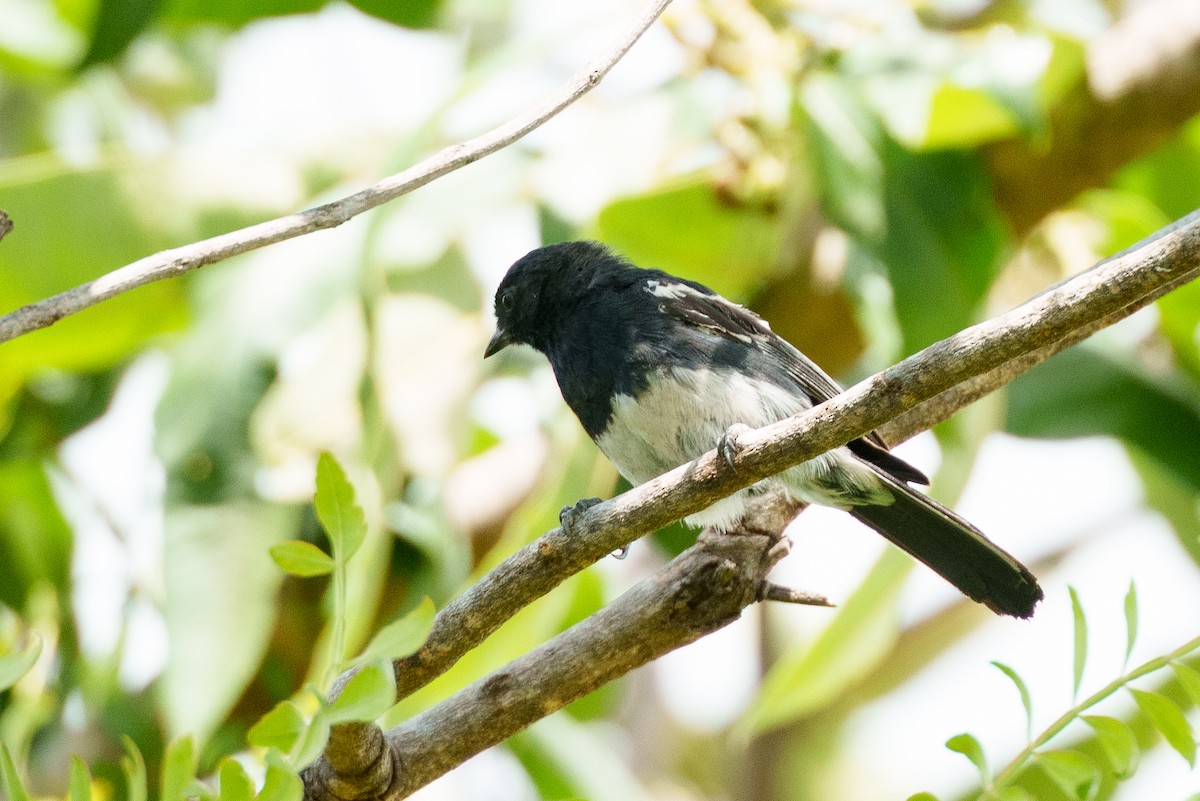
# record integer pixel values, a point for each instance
(658, 368)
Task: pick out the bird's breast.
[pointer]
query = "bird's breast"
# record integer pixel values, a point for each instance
(679, 413)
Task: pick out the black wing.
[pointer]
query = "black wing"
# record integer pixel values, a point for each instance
(697, 305)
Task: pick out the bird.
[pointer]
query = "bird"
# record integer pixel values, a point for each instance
(660, 369)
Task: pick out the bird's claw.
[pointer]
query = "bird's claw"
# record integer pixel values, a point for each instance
(570, 513)
(728, 446)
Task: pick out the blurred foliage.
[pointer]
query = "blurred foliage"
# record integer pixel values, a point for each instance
(172, 602)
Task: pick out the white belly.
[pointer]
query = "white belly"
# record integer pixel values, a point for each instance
(677, 420)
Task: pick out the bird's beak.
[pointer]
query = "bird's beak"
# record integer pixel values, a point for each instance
(500, 341)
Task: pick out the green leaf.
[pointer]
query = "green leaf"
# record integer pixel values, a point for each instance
(1169, 175)
(1178, 321)
(1189, 679)
(10, 779)
(1128, 217)
(281, 782)
(1169, 719)
(401, 637)
(178, 768)
(198, 789)
(302, 558)
(220, 606)
(1081, 639)
(233, 784)
(1118, 742)
(137, 785)
(1072, 771)
(1084, 392)
(235, 13)
(928, 218)
(968, 746)
(1171, 496)
(1014, 793)
(34, 537)
(117, 23)
(568, 759)
(806, 677)
(312, 743)
(368, 694)
(15, 665)
(79, 786)
(1131, 620)
(962, 116)
(337, 509)
(922, 797)
(410, 13)
(280, 728)
(700, 235)
(1023, 690)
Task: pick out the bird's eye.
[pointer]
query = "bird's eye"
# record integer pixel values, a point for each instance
(506, 302)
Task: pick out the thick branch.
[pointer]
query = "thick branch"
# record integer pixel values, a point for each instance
(700, 591)
(177, 261)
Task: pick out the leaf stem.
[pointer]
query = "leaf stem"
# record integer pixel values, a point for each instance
(337, 640)
(1018, 763)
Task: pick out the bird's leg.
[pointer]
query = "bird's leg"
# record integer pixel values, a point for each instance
(569, 514)
(727, 444)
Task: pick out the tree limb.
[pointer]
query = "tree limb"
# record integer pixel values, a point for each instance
(1080, 304)
(177, 261)
(927, 414)
(700, 591)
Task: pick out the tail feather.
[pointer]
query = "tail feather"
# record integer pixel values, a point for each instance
(954, 549)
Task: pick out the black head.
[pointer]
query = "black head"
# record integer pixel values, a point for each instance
(544, 286)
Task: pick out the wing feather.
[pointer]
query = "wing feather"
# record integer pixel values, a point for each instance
(698, 306)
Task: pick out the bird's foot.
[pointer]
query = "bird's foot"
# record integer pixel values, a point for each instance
(569, 514)
(728, 446)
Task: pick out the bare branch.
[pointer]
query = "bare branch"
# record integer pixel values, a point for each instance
(700, 591)
(177, 261)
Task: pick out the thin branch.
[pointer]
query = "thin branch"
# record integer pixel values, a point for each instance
(588, 655)
(177, 261)
(6, 224)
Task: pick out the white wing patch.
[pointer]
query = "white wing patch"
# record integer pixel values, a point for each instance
(663, 290)
(704, 310)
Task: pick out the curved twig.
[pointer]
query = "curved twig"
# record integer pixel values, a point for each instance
(177, 261)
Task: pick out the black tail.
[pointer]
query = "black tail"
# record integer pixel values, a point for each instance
(955, 549)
